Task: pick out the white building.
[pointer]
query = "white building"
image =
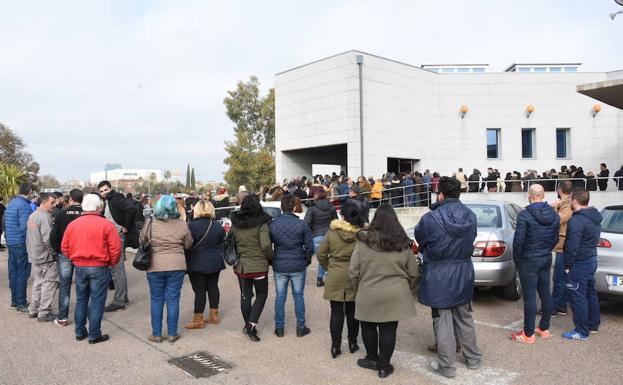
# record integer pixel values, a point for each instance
(124, 174)
(440, 117)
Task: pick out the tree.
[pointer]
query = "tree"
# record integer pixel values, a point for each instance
(188, 177)
(167, 178)
(251, 155)
(192, 179)
(11, 176)
(49, 181)
(13, 151)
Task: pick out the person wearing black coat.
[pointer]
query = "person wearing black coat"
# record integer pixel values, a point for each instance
(536, 235)
(618, 179)
(603, 173)
(122, 213)
(204, 262)
(318, 217)
(445, 236)
(474, 181)
(293, 253)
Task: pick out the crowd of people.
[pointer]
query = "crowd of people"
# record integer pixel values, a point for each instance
(367, 269)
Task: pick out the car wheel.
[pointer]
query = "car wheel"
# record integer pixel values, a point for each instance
(512, 290)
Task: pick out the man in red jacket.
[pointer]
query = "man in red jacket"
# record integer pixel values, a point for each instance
(93, 245)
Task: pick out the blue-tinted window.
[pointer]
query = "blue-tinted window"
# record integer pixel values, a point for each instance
(571, 69)
(562, 142)
(540, 69)
(478, 69)
(447, 69)
(523, 69)
(527, 143)
(555, 69)
(462, 69)
(493, 143)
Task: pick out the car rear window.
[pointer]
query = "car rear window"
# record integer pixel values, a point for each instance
(487, 215)
(612, 220)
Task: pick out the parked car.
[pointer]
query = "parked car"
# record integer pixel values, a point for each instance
(493, 247)
(609, 275)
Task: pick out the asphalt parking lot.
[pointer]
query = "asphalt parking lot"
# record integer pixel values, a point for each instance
(36, 353)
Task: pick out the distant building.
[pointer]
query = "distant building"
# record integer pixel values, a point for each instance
(125, 174)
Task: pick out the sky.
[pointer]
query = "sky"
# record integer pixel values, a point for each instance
(142, 82)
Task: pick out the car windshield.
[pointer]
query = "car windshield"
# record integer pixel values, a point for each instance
(612, 220)
(272, 211)
(487, 215)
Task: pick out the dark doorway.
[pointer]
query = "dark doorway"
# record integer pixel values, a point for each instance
(300, 161)
(401, 165)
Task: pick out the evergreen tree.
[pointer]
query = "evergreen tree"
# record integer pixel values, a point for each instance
(192, 179)
(187, 177)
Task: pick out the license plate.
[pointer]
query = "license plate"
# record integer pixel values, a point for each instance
(617, 280)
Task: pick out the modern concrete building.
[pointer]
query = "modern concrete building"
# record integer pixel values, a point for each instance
(371, 115)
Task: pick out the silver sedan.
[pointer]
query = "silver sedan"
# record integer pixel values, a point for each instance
(609, 275)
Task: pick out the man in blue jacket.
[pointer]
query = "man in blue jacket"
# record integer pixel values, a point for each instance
(16, 219)
(446, 237)
(294, 248)
(583, 230)
(536, 234)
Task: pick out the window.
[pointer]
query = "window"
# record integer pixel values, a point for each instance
(493, 143)
(478, 69)
(527, 143)
(555, 69)
(540, 69)
(447, 69)
(434, 69)
(523, 69)
(562, 143)
(462, 69)
(486, 215)
(571, 69)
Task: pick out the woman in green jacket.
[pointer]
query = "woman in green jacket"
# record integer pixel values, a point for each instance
(382, 269)
(252, 237)
(334, 256)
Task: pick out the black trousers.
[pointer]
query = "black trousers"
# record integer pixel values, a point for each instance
(339, 310)
(202, 283)
(251, 311)
(379, 340)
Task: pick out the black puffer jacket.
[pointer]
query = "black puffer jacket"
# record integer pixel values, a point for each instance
(536, 233)
(319, 217)
(206, 256)
(122, 210)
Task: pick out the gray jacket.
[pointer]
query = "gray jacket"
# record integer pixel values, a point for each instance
(38, 232)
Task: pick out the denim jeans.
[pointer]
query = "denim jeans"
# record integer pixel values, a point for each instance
(583, 296)
(65, 275)
(165, 287)
(534, 275)
(19, 271)
(297, 280)
(91, 291)
(317, 241)
(559, 293)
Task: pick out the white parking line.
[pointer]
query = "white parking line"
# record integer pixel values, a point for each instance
(512, 326)
(483, 376)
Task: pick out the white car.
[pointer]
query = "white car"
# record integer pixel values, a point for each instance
(272, 208)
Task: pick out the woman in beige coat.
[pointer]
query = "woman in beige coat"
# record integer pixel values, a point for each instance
(382, 270)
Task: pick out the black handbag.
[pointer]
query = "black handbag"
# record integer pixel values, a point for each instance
(230, 252)
(142, 259)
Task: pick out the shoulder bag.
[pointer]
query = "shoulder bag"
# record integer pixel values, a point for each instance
(187, 252)
(142, 259)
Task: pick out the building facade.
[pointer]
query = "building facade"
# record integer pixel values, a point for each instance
(124, 174)
(371, 115)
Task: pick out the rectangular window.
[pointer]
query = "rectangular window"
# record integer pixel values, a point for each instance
(555, 69)
(527, 143)
(562, 143)
(493, 143)
(540, 69)
(571, 69)
(523, 69)
(447, 69)
(462, 69)
(478, 69)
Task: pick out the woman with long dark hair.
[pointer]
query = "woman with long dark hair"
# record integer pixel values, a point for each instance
(334, 256)
(382, 270)
(252, 237)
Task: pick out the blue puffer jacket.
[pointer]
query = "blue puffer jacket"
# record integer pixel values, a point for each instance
(446, 237)
(293, 244)
(583, 230)
(536, 233)
(15, 219)
(207, 256)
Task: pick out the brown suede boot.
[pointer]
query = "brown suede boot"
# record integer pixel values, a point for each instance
(213, 317)
(197, 322)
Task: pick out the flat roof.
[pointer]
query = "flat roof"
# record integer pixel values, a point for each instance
(609, 91)
(540, 64)
(454, 65)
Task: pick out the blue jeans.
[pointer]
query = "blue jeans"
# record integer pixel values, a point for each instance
(298, 289)
(534, 275)
(165, 286)
(19, 271)
(65, 274)
(317, 241)
(583, 296)
(91, 291)
(559, 293)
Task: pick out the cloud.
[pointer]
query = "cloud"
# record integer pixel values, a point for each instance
(142, 83)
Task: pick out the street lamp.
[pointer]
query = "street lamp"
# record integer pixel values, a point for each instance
(613, 15)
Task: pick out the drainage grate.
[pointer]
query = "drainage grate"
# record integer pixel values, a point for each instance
(200, 364)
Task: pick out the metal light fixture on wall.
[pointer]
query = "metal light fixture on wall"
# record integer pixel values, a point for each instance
(529, 110)
(464, 110)
(596, 109)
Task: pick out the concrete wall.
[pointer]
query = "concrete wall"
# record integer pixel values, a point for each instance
(413, 113)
